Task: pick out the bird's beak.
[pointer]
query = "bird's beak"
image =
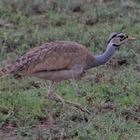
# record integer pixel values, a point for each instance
(130, 38)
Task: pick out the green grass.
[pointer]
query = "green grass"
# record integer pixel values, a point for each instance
(111, 92)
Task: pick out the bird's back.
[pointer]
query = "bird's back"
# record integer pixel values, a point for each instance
(50, 57)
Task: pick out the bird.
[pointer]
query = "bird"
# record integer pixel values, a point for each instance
(62, 60)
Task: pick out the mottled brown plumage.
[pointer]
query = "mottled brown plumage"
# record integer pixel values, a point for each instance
(55, 61)
(62, 60)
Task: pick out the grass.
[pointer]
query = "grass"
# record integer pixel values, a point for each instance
(111, 92)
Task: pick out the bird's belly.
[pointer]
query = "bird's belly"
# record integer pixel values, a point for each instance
(59, 75)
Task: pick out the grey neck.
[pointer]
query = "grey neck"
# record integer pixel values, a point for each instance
(103, 58)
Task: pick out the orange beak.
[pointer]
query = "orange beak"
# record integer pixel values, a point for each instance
(130, 38)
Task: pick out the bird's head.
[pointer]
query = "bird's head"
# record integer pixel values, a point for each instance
(116, 39)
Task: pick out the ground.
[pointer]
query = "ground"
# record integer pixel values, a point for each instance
(111, 92)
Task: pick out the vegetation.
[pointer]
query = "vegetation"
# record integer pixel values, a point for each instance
(111, 92)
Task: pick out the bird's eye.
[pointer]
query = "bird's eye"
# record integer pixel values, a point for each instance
(121, 36)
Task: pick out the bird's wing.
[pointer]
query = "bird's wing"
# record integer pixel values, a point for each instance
(57, 56)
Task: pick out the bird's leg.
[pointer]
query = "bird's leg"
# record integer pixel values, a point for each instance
(78, 90)
(78, 106)
(50, 106)
(52, 95)
(74, 85)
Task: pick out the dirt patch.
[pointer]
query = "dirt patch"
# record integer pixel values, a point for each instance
(132, 114)
(77, 8)
(91, 21)
(7, 130)
(115, 64)
(105, 108)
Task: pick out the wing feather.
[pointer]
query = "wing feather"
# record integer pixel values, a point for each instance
(58, 56)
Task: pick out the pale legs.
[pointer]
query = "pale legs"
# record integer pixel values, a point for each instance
(53, 96)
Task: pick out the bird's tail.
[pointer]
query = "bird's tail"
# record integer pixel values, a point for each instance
(6, 70)
(2, 72)
(12, 68)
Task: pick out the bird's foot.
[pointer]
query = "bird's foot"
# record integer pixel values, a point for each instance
(78, 106)
(53, 96)
(57, 98)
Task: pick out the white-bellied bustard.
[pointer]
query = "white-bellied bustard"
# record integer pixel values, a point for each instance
(62, 60)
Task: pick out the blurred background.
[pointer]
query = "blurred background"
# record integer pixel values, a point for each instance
(111, 92)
